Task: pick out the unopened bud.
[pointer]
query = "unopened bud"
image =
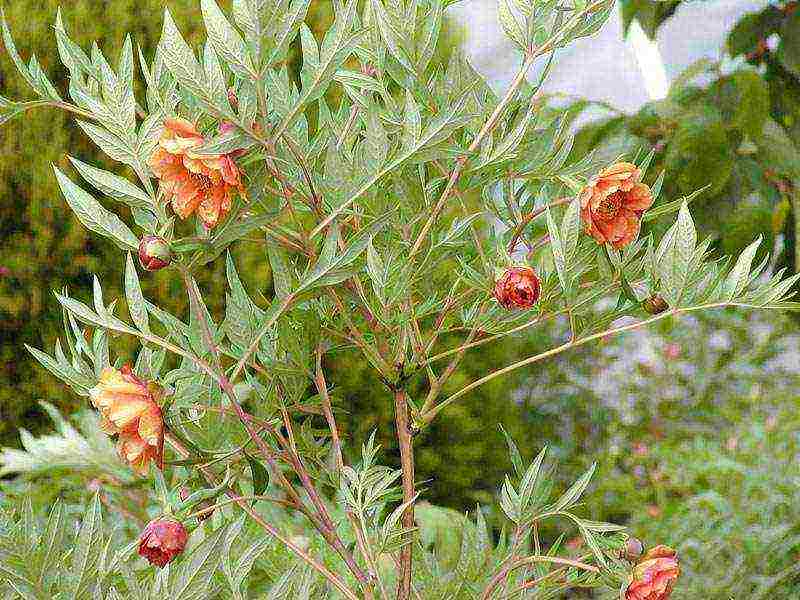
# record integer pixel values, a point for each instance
(233, 99)
(162, 540)
(633, 549)
(154, 253)
(655, 304)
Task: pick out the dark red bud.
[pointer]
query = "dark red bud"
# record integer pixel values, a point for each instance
(154, 253)
(633, 549)
(233, 99)
(518, 287)
(162, 540)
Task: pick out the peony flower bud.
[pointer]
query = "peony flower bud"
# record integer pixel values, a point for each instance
(233, 99)
(655, 304)
(654, 575)
(518, 287)
(162, 540)
(154, 253)
(633, 549)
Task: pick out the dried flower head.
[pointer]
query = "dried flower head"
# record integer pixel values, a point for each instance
(612, 204)
(162, 540)
(128, 408)
(193, 182)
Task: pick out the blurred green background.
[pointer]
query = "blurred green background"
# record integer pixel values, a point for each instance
(694, 425)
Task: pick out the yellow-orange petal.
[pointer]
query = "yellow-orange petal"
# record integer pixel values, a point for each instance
(181, 126)
(151, 426)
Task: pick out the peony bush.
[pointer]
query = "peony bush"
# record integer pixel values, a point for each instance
(395, 199)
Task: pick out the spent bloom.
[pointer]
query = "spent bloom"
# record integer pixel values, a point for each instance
(517, 287)
(128, 409)
(654, 575)
(193, 182)
(613, 202)
(162, 540)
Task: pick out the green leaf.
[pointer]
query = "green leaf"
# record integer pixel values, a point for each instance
(574, 493)
(329, 261)
(281, 276)
(558, 251)
(510, 25)
(319, 68)
(227, 41)
(113, 185)
(134, 296)
(192, 580)
(376, 146)
(674, 256)
(93, 216)
(391, 33)
(8, 41)
(86, 554)
(179, 58)
(259, 474)
(739, 277)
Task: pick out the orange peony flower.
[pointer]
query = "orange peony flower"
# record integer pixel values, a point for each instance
(612, 204)
(128, 409)
(654, 575)
(191, 181)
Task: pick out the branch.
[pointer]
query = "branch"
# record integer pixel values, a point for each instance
(430, 415)
(407, 466)
(504, 572)
(332, 577)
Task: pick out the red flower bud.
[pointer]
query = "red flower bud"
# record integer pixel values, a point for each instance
(233, 99)
(162, 540)
(154, 253)
(654, 575)
(633, 549)
(518, 287)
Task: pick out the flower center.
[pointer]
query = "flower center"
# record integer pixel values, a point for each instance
(203, 182)
(610, 205)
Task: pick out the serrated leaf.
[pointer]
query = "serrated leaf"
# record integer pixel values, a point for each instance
(93, 216)
(739, 277)
(113, 185)
(227, 41)
(134, 296)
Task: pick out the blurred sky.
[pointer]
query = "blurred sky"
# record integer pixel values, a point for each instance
(604, 67)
